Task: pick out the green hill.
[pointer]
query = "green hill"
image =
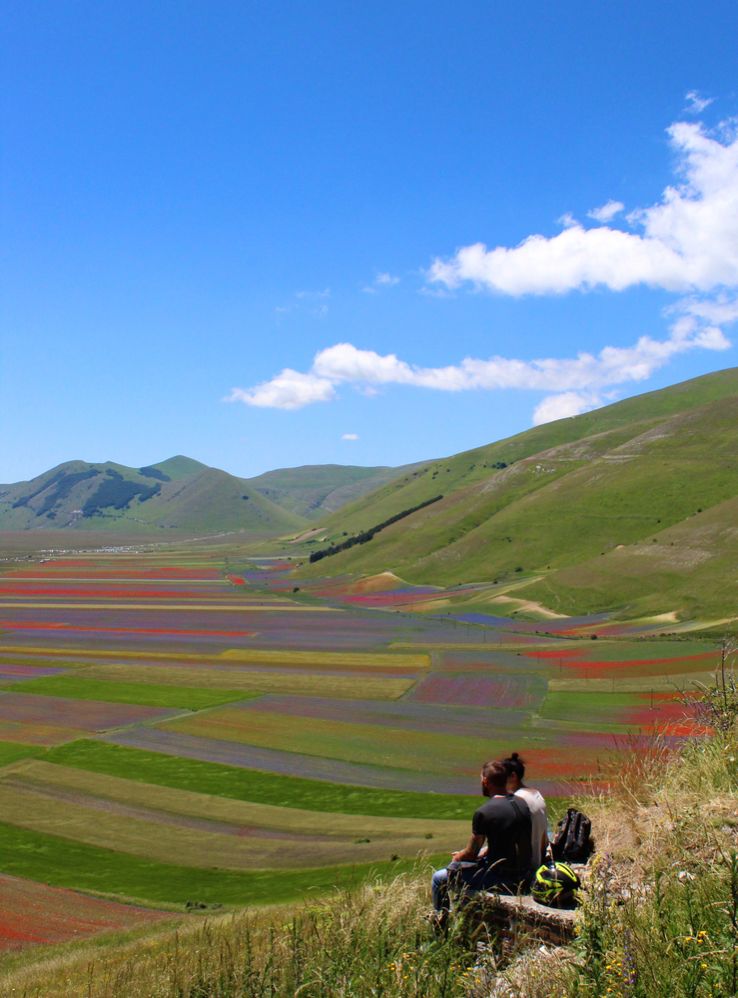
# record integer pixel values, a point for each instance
(178, 494)
(316, 490)
(574, 501)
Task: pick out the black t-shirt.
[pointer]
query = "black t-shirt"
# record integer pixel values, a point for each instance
(505, 823)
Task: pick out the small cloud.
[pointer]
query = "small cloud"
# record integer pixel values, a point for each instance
(306, 303)
(350, 436)
(606, 212)
(288, 390)
(382, 280)
(562, 406)
(695, 103)
(386, 280)
(567, 220)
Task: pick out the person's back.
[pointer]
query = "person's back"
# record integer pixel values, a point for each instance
(539, 822)
(500, 839)
(505, 822)
(515, 768)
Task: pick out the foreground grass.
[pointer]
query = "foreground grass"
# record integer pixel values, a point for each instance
(144, 694)
(369, 941)
(253, 785)
(65, 863)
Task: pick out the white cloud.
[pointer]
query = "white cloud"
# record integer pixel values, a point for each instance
(288, 390)
(386, 280)
(382, 280)
(564, 405)
(607, 211)
(350, 436)
(688, 240)
(695, 103)
(687, 243)
(576, 381)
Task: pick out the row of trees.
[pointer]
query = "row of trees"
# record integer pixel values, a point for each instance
(366, 535)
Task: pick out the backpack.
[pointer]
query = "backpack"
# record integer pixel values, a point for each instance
(572, 842)
(555, 886)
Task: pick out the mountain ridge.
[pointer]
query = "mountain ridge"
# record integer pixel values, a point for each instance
(183, 494)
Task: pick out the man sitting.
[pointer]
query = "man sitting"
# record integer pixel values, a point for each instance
(503, 823)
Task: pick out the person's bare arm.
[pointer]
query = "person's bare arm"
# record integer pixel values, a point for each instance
(470, 851)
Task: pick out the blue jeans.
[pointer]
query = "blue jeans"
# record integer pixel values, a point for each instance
(439, 889)
(485, 879)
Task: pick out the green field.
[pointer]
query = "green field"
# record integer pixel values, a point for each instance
(345, 740)
(12, 751)
(301, 683)
(79, 687)
(65, 863)
(252, 785)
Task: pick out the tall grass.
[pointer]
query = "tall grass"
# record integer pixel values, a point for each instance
(660, 911)
(376, 940)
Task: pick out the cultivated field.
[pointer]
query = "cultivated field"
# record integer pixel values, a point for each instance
(191, 729)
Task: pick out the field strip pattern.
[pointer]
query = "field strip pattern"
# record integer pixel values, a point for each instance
(162, 688)
(286, 763)
(280, 822)
(33, 914)
(151, 833)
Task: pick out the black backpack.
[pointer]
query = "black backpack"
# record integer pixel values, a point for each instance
(572, 842)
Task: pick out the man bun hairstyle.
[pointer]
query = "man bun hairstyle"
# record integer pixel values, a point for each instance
(495, 774)
(514, 766)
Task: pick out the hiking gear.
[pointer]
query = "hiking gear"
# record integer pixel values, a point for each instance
(572, 842)
(555, 885)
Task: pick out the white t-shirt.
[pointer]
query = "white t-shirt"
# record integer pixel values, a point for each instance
(539, 823)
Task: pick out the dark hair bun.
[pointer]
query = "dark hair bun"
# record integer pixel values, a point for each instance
(515, 756)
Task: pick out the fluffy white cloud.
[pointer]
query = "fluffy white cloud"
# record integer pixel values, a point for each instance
(577, 381)
(688, 240)
(350, 436)
(288, 390)
(607, 211)
(687, 243)
(564, 405)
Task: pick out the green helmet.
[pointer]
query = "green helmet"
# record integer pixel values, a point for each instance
(555, 885)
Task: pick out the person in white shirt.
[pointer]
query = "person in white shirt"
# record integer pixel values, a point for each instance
(515, 768)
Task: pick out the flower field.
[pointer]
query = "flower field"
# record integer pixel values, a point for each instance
(187, 725)
(32, 913)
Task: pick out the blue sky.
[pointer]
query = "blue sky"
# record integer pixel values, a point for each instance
(322, 212)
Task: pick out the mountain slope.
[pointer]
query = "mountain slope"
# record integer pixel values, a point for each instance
(318, 489)
(177, 494)
(557, 496)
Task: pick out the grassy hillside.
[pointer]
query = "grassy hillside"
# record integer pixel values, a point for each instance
(177, 494)
(315, 490)
(579, 495)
